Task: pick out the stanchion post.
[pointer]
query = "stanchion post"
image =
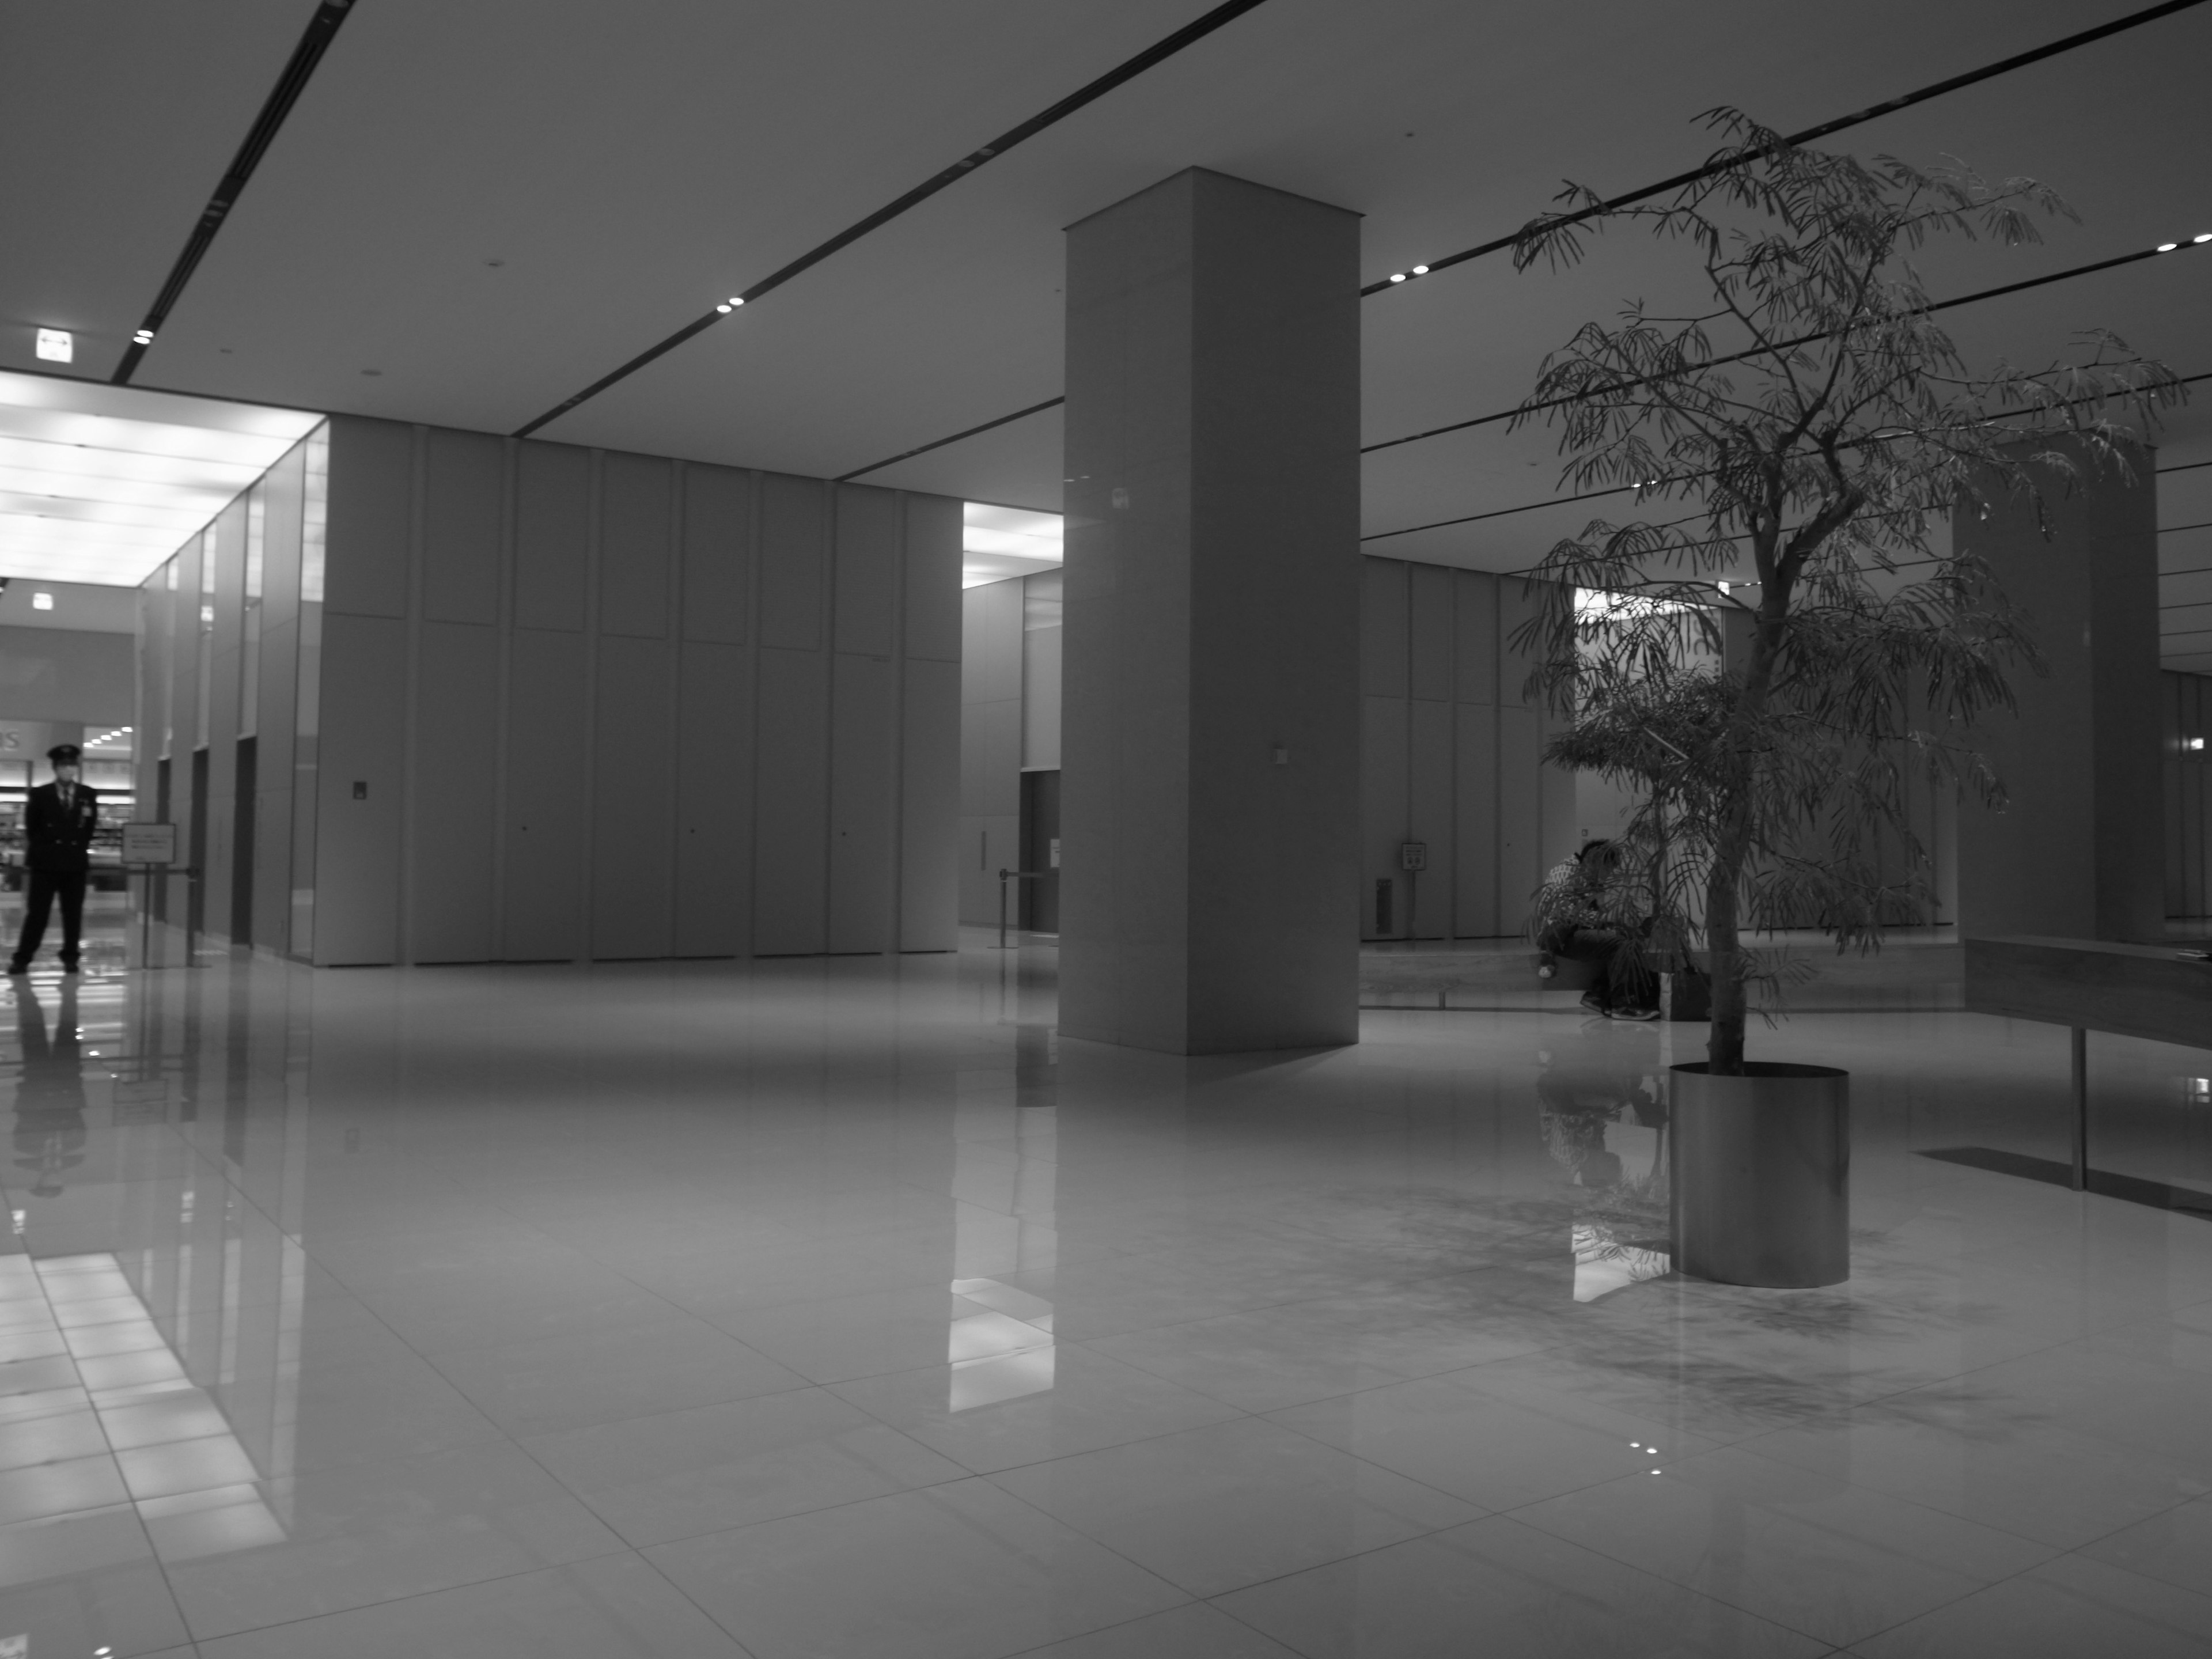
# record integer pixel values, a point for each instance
(1006, 876)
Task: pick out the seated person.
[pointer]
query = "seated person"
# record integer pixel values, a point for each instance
(1586, 912)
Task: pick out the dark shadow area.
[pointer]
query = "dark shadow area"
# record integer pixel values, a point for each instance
(2133, 1189)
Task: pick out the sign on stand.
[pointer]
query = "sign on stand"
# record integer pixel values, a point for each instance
(150, 843)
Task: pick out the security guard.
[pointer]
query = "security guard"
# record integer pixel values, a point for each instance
(57, 828)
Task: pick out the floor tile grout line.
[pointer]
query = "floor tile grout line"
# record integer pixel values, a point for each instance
(412, 1596)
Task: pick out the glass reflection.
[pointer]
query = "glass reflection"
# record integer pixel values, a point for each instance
(1000, 1343)
(1605, 1124)
(149, 1310)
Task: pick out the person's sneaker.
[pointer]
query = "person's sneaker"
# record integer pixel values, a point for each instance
(1594, 1002)
(19, 966)
(1632, 1013)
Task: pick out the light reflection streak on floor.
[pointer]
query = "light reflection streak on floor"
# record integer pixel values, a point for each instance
(552, 1311)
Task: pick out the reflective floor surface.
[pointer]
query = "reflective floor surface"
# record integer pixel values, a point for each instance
(815, 1309)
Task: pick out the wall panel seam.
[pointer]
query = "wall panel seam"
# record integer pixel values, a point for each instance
(418, 529)
(594, 511)
(510, 508)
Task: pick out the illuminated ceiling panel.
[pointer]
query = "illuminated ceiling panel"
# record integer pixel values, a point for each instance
(998, 542)
(100, 483)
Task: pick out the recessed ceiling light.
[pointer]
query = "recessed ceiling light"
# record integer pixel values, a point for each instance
(1397, 275)
(144, 336)
(1420, 271)
(42, 601)
(57, 345)
(737, 299)
(2167, 247)
(2206, 237)
(722, 307)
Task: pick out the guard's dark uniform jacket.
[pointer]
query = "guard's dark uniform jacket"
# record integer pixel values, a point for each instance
(58, 838)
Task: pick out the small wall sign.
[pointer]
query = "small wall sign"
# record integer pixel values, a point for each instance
(150, 843)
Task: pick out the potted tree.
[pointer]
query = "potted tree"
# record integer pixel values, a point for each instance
(1784, 629)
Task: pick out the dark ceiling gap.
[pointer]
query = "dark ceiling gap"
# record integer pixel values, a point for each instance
(1507, 414)
(314, 40)
(907, 455)
(1737, 356)
(1957, 83)
(1190, 34)
(1623, 489)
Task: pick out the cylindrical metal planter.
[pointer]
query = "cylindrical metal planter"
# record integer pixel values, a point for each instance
(1762, 1175)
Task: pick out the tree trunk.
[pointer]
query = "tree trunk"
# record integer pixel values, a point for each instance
(1724, 945)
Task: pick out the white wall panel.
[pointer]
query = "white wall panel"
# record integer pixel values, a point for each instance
(929, 817)
(226, 541)
(189, 644)
(634, 787)
(991, 759)
(713, 808)
(1475, 642)
(1431, 893)
(451, 800)
(792, 559)
(863, 803)
(990, 642)
(791, 803)
(1520, 816)
(543, 862)
(718, 552)
(552, 526)
(1474, 823)
(272, 867)
(277, 695)
(372, 485)
(934, 534)
(1515, 607)
(1430, 623)
(530, 792)
(364, 692)
(1041, 678)
(987, 845)
(867, 569)
(1383, 628)
(462, 485)
(1383, 788)
(635, 528)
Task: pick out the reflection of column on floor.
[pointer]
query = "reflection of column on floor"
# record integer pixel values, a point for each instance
(178, 1294)
(1000, 1343)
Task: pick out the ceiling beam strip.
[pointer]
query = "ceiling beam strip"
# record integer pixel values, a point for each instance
(314, 40)
(939, 443)
(1623, 489)
(1153, 56)
(1520, 410)
(2003, 66)
(1957, 83)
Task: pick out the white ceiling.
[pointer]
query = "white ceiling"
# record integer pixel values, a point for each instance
(1000, 541)
(490, 206)
(101, 483)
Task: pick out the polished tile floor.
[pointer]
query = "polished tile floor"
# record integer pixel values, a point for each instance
(831, 1309)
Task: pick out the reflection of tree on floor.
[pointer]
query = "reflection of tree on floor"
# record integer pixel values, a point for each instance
(1604, 1123)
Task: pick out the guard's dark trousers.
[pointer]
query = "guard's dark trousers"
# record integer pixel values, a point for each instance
(45, 886)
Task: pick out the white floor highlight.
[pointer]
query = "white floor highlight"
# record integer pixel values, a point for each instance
(833, 1309)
